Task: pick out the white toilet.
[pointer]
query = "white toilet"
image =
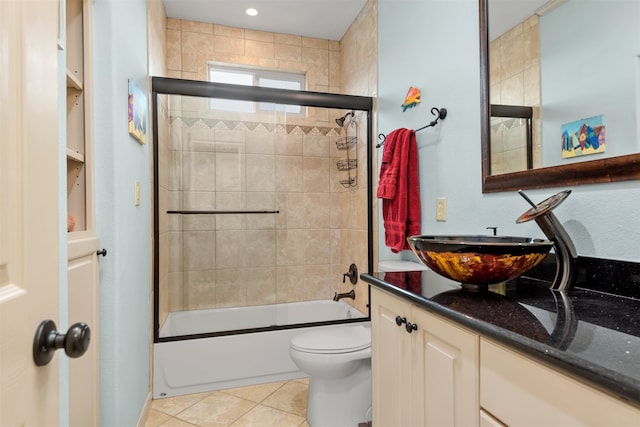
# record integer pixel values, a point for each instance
(338, 362)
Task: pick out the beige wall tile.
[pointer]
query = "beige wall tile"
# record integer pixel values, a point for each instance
(223, 44)
(174, 24)
(288, 39)
(261, 288)
(259, 49)
(316, 282)
(174, 49)
(261, 36)
(315, 43)
(315, 145)
(192, 45)
(288, 52)
(231, 288)
(174, 74)
(223, 30)
(199, 289)
(289, 174)
(197, 27)
(316, 175)
(317, 210)
(317, 248)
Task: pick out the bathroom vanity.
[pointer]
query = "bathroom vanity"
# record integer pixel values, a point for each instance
(519, 354)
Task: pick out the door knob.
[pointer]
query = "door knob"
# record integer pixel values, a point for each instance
(411, 327)
(47, 340)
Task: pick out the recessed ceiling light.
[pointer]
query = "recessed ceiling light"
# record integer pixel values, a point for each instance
(251, 12)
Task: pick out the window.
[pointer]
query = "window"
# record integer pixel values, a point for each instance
(255, 77)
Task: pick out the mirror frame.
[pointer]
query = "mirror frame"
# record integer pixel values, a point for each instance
(609, 169)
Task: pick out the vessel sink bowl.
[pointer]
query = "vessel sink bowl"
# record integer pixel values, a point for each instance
(479, 261)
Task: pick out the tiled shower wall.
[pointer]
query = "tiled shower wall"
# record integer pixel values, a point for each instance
(302, 252)
(251, 163)
(515, 80)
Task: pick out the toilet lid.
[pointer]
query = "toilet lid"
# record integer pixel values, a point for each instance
(333, 340)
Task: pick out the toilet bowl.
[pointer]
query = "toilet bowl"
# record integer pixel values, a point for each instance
(338, 362)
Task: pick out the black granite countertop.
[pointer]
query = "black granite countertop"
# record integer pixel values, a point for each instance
(590, 334)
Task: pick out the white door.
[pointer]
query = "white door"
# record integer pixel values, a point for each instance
(29, 265)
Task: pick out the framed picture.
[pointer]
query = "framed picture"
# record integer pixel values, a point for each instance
(138, 112)
(583, 137)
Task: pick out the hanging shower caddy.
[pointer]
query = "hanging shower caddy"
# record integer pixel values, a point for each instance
(349, 145)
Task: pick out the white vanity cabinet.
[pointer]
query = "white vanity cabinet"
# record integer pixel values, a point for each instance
(441, 374)
(425, 377)
(518, 391)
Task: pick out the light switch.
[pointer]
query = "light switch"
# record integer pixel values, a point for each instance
(137, 193)
(441, 209)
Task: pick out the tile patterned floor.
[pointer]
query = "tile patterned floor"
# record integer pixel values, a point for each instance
(279, 404)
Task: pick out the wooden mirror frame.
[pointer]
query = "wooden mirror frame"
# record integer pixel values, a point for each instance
(610, 169)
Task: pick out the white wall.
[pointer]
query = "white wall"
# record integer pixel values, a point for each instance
(120, 52)
(433, 45)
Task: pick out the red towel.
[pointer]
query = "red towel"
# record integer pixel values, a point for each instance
(399, 189)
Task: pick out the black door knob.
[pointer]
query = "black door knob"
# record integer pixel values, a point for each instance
(47, 340)
(411, 327)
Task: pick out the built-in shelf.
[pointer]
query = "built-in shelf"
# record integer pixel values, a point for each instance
(75, 156)
(73, 81)
(78, 130)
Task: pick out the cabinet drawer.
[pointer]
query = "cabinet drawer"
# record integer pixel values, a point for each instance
(520, 391)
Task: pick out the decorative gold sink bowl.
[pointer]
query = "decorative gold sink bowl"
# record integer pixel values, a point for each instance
(479, 261)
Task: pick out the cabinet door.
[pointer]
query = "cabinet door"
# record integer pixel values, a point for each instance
(446, 363)
(520, 391)
(390, 361)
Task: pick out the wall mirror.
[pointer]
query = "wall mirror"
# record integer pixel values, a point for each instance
(584, 70)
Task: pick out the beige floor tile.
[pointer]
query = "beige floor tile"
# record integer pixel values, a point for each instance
(263, 416)
(174, 405)
(175, 422)
(155, 418)
(255, 393)
(216, 410)
(291, 397)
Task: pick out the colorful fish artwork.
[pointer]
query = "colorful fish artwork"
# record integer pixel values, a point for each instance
(412, 99)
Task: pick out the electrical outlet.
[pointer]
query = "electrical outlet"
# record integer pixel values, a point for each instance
(441, 209)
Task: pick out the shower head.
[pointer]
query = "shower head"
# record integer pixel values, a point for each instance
(341, 120)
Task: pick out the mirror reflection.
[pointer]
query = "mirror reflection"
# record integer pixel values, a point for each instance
(563, 78)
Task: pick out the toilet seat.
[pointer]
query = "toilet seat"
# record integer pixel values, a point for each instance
(333, 340)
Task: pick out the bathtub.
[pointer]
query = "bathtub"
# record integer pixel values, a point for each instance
(250, 345)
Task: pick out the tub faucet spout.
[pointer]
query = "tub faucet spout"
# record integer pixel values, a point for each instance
(351, 294)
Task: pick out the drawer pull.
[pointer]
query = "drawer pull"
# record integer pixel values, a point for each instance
(411, 327)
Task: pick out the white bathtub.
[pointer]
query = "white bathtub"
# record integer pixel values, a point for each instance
(214, 363)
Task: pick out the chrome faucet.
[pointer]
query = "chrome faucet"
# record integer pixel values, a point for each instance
(351, 294)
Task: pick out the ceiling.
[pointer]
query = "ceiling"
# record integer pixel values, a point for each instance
(505, 14)
(324, 19)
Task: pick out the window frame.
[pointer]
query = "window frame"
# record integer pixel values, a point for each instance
(258, 74)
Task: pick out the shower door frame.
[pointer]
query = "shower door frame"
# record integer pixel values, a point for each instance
(204, 89)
